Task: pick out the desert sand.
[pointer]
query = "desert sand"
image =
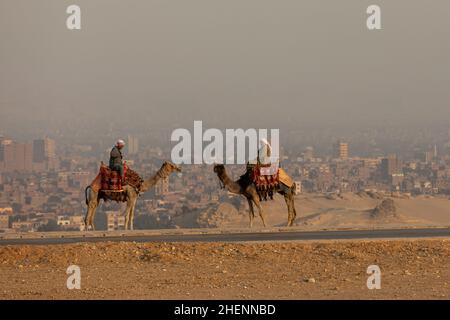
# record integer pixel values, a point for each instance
(317, 211)
(413, 269)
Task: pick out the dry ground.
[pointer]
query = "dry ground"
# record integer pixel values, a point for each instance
(413, 269)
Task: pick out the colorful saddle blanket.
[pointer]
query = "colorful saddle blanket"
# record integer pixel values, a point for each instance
(265, 177)
(110, 180)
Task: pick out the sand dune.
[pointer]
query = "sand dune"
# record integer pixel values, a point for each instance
(349, 210)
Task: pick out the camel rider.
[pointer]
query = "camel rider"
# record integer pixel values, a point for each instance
(115, 158)
(264, 154)
(268, 164)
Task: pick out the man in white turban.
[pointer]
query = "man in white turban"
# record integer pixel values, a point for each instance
(264, 153)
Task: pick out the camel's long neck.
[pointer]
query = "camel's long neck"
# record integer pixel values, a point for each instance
(229, 184)
(150, 182)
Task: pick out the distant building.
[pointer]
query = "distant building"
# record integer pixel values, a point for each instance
(4, 221)
(43, 149)
(308, 155)
(389, 166)
(298, 187)
(3, 142)
(341, 150)
(81, 178)
(25, 226)
(115, 221)
(429, 156)
(397, 180)
(63, 221)
(15, 156)
(77, 222)
(6, 210)
(44, 154)
(71, 222)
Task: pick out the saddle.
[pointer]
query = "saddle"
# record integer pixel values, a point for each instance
(267, 179)
(110, 181)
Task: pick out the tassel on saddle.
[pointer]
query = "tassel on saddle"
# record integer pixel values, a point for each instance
(266, 184)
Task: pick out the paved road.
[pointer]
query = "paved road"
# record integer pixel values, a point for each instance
(224, 236)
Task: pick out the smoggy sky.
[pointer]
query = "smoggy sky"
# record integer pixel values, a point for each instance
(232, 63)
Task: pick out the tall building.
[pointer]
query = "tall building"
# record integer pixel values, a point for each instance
(36, 156)
(23, 156)
(3, 143)
(43, 150)
(341, 150)
(2, 155)
(429, 156)
(309, 153)
(133, 145)
(15, 156)
(390, 166)
(44, 154)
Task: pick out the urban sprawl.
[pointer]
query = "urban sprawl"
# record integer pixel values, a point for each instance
(42, 184)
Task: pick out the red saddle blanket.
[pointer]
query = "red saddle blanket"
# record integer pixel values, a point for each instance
(111, 180)
(262, 179)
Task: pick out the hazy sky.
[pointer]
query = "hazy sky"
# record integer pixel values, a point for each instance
(233, 62)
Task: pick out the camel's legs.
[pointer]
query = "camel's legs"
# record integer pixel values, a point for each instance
(258, 205)
(133, 206)
(92, 207)
(288, 197)
(128, 213)
(251, 213)
(94, 210)
(294, 212)
(254, 197)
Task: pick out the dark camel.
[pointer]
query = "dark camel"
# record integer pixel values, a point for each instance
(246, 187)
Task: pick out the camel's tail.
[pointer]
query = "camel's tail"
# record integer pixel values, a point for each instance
(86, 194)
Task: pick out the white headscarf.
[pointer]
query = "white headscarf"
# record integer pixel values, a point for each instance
(265, 151)
(266, 143)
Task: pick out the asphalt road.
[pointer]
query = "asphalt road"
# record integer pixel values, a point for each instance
(238, 236)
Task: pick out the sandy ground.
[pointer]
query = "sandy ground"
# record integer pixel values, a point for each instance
(315, 211)
(413, 269)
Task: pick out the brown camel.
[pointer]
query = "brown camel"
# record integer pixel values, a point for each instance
(129, 195)
(246, 187)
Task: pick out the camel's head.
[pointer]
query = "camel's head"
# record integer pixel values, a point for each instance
(170, 167)
(219, 168)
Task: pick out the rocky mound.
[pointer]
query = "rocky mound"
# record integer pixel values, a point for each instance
(374, 195)
(386, 209)
(217, 216)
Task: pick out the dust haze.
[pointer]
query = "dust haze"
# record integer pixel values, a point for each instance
(159, 65)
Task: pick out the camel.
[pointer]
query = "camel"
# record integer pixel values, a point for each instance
(247, 188)
(129, 195)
